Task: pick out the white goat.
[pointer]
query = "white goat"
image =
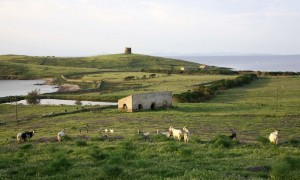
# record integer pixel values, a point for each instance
(168, 134)
(61, 134)
(146, 135)
(111, 130)
(186, 134)
(176, 133)
(274, 137)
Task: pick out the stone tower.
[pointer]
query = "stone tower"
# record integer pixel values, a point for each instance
(127, 50)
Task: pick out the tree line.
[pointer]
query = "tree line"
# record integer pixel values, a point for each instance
(205, 92)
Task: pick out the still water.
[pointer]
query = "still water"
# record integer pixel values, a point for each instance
(254, 63)
(23, 87)
(67, 102)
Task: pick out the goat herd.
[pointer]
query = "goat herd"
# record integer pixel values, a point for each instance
(175, 133)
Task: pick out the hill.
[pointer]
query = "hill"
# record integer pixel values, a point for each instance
(26, 67)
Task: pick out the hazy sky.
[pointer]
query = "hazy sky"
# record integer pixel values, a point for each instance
(91, 27)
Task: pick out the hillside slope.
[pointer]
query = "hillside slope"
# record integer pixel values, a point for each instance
(114, 61)
(45, 66)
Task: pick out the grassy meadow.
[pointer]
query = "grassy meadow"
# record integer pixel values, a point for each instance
(253, 111)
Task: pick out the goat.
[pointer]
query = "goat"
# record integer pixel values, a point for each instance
(61, 134)
(274, 137)
(146, 135)
(176, 133)
(85, 127)
(168, 134)
(233, 134)
(23, 136)
(186, 134)
(111, 130)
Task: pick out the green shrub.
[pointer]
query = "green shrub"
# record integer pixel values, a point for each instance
(170, 147)
(294, 142)
(98, 155)
(81, 143)
(128, 145)
(26, 146)
(33, 97)
(66, 138)
(222, 141)
(60, 163)
(286, 168)
(186, 151)
(128, 155)
(113, 170)
(262, 140)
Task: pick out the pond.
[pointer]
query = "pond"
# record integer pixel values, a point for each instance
(23, 87)
(67, 102)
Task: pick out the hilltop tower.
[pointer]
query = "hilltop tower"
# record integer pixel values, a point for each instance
(127, 50)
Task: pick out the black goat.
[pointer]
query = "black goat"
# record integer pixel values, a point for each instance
(25, 135)
(233, 134)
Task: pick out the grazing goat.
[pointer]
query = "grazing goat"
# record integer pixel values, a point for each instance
(186, 134)
(61, 134)
(233, 134)
(176, 133)
(111, 130)
(106, 130)
(85, 127)
(274, 137)
(146, 135)
(168, 134)
(23, 136)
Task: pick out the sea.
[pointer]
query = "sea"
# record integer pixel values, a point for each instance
(284, 63)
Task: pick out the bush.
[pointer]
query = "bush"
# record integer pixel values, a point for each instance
(262, 140)
(98, 155)
(186, 151)
(294, 142)
(222, 141)
(205, 92)
(60, 163)
(128, 145)
(33, 97)
(26, 146)
(286, 168)
(113, 170)
(81, 143)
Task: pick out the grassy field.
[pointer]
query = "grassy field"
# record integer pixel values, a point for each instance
(115, 87)
(253, 111)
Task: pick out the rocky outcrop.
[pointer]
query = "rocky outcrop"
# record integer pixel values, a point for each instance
(68, 87)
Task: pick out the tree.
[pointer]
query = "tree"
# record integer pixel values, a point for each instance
(33, 97)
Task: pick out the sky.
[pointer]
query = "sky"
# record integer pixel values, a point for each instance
(94, 27)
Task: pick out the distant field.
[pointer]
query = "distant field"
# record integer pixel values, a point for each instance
(144, 84)
(253, 111)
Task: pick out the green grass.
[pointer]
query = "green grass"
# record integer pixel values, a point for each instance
(26, 67)
(252, 111)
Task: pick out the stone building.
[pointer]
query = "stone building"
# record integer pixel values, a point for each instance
(139, 102)
(127, 50)
(188, 68)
